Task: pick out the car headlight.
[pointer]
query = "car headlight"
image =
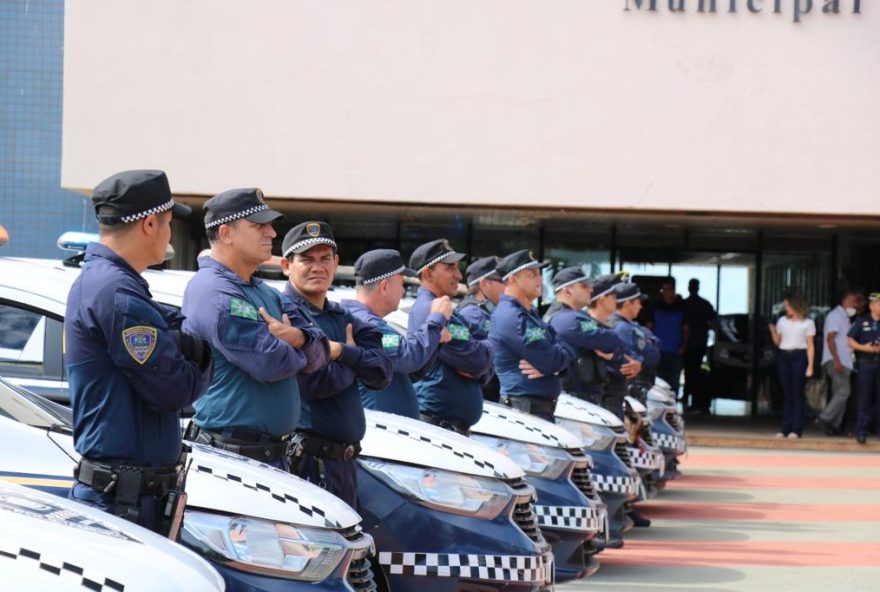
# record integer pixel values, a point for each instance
(265, 547)
(444, 490)
(594, 437)
(535, 460)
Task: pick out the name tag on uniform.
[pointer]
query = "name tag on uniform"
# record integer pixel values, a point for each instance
(459, 332)
(390, 341)
(242, 308)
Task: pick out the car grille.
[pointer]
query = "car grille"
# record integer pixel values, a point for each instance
(524, 517)
(583, 480)
(360, 573)
(622, 452)
(645, 433)
(672, 420)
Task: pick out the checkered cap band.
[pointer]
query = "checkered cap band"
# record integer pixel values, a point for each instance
(384, 276)
(67, 572)
(237, 216)
(502, 568)
(515, 270)
(154, 210)
(581, 518)
(309, 242)
(434, 261)
(596, 297)
(476, 281)
(574, 281)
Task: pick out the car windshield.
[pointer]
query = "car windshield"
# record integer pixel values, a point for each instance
(26, 407)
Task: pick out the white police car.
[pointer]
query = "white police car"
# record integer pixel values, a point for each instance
(53, 545)
(667, 427)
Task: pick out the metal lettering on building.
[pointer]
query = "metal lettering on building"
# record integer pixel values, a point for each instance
(797, 8)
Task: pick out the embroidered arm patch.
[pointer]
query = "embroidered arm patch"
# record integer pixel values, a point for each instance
(459, 332)
(534, 334)
(140, 341)
(588, 326)
(242, 308)
(390, 341)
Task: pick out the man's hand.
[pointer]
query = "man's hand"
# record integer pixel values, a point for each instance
(529, 371)
(445, 335)
(630, 368)
(283, 330)
(443, 305)
(604, 355)
(349, 335)
(335, 350)
(838, 367)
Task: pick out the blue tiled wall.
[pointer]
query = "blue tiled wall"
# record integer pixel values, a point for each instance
(33, 207)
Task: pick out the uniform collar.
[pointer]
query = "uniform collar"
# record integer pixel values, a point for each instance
(211, 263)
(516, 302)
(356, 305)
(101, 251)
(298, 298)
(424, 292)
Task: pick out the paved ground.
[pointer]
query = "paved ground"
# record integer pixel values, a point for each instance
(755, 520)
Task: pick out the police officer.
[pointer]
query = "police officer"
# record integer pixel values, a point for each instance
(449, 386)
(484, 291)
(259, 339)
(130, 367)
(864, 339)
(332, 422)
(379, 275)
(528, 356)
(594, 343)
(634, 337)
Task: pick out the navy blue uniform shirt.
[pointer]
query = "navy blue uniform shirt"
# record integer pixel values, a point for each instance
(865, 330)
(254, 384)
(636, 340)
(331, 400)
(128, 378)
(518, 334)
(408, 353)
(578, 329)
(443, 391)
(477, 315)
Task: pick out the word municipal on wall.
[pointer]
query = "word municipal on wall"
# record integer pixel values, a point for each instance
(798, 8)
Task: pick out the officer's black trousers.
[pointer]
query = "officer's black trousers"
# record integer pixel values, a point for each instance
(869, 395)
(339, 477)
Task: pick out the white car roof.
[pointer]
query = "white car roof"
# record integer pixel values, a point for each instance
(501, 421)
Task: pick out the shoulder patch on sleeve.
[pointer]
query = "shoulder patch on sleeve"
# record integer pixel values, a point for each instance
(140, 341)
(588, 326)
(459, 332)
(534, 334)
(390, 341)
(242, 308)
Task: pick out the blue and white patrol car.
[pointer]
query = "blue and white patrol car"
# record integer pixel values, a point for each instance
(569, 509)
(667, 426)
(57, 545)
(646, 458)
(604, 437)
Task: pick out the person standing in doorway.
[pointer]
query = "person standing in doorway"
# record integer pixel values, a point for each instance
(864, 338)
(837, 362)
(793, 334)
(670, 326)
(699, 315)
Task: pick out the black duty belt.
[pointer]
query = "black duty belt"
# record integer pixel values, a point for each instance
(110, 478)
(326, 448)
(452, 425)
(261, 447)
(530, 404)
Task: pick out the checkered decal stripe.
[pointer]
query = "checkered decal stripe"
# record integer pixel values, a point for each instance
(569, 517)
(610, 484)
(426, 440)
(509, 568)
(62, 569)
(667, 441)
(523, 424)
(645, 459)
(284, 498)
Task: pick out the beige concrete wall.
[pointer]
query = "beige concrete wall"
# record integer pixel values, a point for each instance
(575, 103)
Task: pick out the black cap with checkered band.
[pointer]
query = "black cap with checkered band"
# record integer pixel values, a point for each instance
(432, 253)
(380, 264)
(303, 237)
(133, 195)
(517, 262)
(235, 204)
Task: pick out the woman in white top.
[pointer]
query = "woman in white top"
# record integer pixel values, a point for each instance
(793, 335)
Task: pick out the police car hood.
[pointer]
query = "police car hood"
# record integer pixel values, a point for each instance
(404, 440)
(220, 481)
(500, 421)
(660, 395)
(636, 405)
(569, 407)
(50, 543)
